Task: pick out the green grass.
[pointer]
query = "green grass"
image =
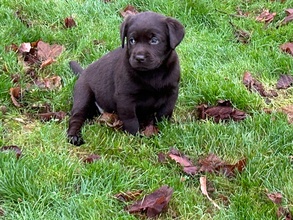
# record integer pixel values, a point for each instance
(50, 181)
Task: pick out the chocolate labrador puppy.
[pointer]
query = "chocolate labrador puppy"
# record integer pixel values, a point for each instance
(138, 81)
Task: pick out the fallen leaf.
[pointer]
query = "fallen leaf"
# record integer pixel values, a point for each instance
(253, 85)
(59, 116)
(128, 196)
(211, 164)
(12, 47)
(288, 110)
(16, 149)
(91, 158)
(24, 48)
(3, 109)
(289, 16)
(38, 54)
(69, 22)
(110, 119)
(41, 107)
(128, 10)
(47, 62)
(241, 13)
(15, 78)
(240, 35)
(284, 213)
(162, 157)
(285, 81)
(224, 111)
(287, 47)
(275, 197)
(49, 83)
(203, 188)
(47, 53)
(150, 130)
(152, 204)
(15, 94)
(266, 16)
(230, 170)
(179, 158)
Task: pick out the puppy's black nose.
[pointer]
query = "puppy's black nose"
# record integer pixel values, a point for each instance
(140, 58)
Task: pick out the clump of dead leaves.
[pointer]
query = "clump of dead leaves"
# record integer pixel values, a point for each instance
(284, 82)
(282, 212)
(34, 57)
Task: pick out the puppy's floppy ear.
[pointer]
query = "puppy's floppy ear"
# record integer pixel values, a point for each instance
(124, 29)
(176, 32)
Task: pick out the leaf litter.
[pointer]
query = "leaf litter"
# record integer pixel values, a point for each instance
(203, 188)
(128, 196)
(210, 164)
(223, 111)
(153, 204)
(14, 148)
(282, 212)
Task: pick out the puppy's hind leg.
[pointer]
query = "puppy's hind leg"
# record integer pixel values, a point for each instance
(83, 108)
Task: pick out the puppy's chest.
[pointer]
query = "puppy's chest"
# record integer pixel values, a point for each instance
(149, 95)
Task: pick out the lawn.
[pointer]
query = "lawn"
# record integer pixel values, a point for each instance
(51, 180)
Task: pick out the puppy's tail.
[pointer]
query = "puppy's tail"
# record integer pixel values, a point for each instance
(75, 67)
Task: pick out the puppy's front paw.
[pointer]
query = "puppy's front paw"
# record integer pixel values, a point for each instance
(75, 140)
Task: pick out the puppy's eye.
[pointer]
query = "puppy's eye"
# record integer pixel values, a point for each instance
(132, 41)
(154, 40)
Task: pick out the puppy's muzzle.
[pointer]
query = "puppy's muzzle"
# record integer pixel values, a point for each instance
(140, 58)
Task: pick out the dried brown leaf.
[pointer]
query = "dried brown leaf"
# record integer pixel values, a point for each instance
(288, 110)
(128, 196)
(51, 83)
(15, 94)
(24, 48)
(152, 204)
(91, 158)
(14, 148)
(253, 85)
(289, 16)
(210, 164)
(284, 213)
(285, 81)
(47, 51)
(179, 158)
(287, 47)
(275, 197)
(47, 62)
(150, 130)
(266, 16)
(230, 170)
(242, 36)
(162, 157)
(111, 120)
(203, 188)
(224, 111)
(128, 10)
(12, 47)
(59, 116)
(69, 22)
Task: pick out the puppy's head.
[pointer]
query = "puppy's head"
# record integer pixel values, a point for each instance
(150, 39)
